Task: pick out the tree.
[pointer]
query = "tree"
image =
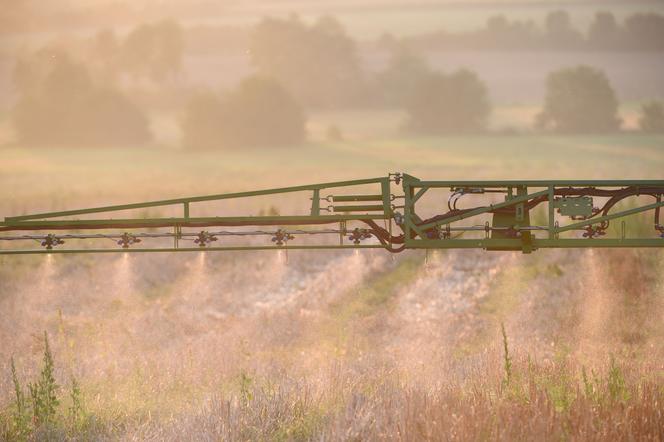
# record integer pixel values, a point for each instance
(317, 63)
(604, 32)
(260, 112)
(560, 34)
(104, 54)
(645, 31)
(579, 99)
(405, 70)
(500, 33)
(154, 50)
(652, 117)
(60, 104)
(451, 103)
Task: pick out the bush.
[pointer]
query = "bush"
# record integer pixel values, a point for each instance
(260, 112)
(579, 100)
(451, 103)
(60, 104)
(652, 117)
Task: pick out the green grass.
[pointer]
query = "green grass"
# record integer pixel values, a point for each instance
(377, 292)
(56, 178)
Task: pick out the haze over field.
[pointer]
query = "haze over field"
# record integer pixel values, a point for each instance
(111, 102)
(214, 50)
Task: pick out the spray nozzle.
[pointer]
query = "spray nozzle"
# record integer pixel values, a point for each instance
(51, 241)
(204, 238)
(127, 239)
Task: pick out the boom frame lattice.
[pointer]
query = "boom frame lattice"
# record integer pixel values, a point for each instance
(368, 219)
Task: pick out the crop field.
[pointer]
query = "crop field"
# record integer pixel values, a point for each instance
(115, 102)
(344, 345)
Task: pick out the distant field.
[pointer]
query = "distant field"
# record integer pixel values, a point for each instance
(57, 178)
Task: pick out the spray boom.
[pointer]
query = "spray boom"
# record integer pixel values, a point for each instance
(500, 215)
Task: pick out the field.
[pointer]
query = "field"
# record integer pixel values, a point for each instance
(334, 345)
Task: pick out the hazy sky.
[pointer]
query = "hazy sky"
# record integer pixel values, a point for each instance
(364, 18)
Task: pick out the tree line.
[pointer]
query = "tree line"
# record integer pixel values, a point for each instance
(638, 32)
(298, 67)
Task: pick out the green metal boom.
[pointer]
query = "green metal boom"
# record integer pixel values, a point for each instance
(499, 215)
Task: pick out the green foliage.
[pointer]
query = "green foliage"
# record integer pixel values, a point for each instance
(76, 410)
(612, 388)
(453, 103)
(579, 100)
(374, 296)
(20, 419)
(561, 393)
(616, 385)
(591, 387)
(260, 112)
(246, 393)
(43, 392)
(379, 291)
(560, 388)
(652, 117)
(40, 417)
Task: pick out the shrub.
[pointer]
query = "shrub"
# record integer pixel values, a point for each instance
(652, 117)
(451, 103)
(579, 100)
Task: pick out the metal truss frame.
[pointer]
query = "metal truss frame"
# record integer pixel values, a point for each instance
(357, 217)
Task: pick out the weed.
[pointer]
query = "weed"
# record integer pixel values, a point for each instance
(21, 419)
(616, 382)
(43, 392)
(39, 416)
(76, 411)
(246, 393)
(507, 359)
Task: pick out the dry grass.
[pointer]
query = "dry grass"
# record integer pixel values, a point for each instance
(330, 363)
